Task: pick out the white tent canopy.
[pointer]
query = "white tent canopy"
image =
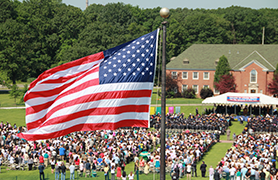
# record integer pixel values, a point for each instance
(253, 99)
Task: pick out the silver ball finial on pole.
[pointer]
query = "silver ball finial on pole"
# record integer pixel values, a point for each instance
(164, 12)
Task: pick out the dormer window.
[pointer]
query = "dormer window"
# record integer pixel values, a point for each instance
(185, 61)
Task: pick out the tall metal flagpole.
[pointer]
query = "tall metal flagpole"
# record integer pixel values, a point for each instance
(164, 12)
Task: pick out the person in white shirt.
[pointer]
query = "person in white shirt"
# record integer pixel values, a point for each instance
(131, 176)
(72, 168)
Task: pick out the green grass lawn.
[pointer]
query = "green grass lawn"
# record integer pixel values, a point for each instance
(157, 99)
(7, 101)
(13, 116)
(235, 128)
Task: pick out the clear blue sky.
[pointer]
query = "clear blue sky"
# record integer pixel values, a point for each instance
(206, 4)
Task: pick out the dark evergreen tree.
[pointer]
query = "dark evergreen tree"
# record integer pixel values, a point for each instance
(222, 68)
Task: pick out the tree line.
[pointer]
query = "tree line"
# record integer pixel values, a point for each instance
(36, 35)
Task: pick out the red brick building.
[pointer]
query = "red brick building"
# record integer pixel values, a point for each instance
(252, 66)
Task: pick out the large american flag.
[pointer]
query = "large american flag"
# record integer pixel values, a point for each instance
(107, 90)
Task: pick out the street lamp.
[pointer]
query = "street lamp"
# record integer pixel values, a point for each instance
(164, 13)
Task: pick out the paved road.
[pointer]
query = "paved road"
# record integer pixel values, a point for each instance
(23, 107)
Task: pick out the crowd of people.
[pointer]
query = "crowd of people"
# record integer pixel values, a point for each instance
(267, 124)
(93, 152)
(178, 122)
(105, 151)
(252, 157)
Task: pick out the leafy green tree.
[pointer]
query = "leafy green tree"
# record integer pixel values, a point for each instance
(222, 68)
(273, 86)
(15, 92)
(14, 50)
(189, 93)
(206, 92)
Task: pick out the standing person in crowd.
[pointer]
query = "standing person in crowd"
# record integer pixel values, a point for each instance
(72, 171)
(216, 175)
(46, 159)
(262, 175)
(119, 173)
(52, 163)
(62, 152)
(88, 168)
(41, 168)
(63, 171)
(228, 134)
(124, 176)
(57, 171)
(30, 162)
(106, 172)
(203, 169)
(113, 170)
(136, 168)
(194, 169)
(131, 176)
(141, 165)
(238, 174)
(188, 171)
(1, 159)
(211, 173)
(81, 168)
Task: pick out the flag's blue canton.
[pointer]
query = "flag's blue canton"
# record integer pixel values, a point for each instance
(133, 62)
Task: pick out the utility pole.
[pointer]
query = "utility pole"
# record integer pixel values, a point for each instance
(87, 3)
(263, 37)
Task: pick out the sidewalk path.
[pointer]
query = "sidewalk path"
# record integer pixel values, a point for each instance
(22, 107)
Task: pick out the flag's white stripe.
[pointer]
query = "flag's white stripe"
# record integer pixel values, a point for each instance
(37, 101)
(103, 88)
(93, 89)
(40, 100)
(107, 103)
(80, 107)
(90, 120)
(67, 72)
(86, 78)
(47, 87)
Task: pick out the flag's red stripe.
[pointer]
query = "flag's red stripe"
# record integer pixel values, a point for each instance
(97, 112)
(90, 98)
(62, 79)
(85, 99)
(49, 93)
(86, 127)
(78, 62)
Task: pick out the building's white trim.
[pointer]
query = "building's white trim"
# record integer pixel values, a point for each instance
(251, 62)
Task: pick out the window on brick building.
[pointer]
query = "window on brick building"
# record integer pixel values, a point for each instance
(184, 75)
(206, 75)
(195, 75)
(174, 75)
(206, 86)
(253, 76)
(195, 87)
(184, 87)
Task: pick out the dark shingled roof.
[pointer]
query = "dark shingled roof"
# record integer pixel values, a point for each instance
(204, 56)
